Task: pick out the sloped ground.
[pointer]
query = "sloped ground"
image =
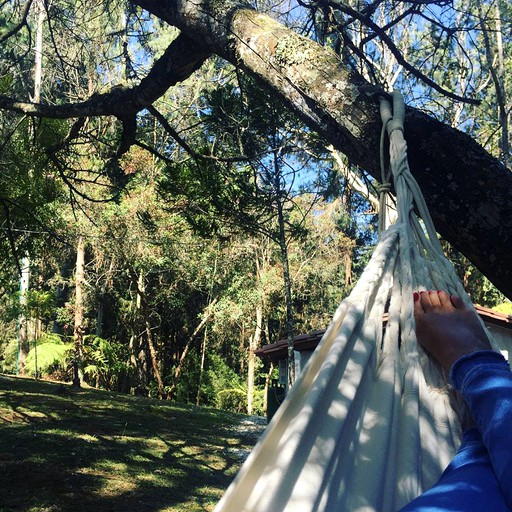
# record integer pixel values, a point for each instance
(86, 450)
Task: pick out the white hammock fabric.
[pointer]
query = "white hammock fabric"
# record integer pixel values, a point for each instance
(368, 425)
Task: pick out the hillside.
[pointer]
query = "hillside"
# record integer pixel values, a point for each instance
(63, 449)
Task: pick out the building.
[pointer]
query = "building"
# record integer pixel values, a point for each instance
(499, 325)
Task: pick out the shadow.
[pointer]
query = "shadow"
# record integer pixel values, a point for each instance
(83, 450)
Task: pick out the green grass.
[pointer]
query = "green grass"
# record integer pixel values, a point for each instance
(63, 449)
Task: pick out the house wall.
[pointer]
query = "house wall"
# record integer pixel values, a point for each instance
(502, 338)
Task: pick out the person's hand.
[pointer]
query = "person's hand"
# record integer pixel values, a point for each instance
(446, 328)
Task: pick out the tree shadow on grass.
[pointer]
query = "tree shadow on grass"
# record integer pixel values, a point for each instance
(86, 450)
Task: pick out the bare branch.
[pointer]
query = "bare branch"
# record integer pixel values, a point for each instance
(19, 25)
(398, 54)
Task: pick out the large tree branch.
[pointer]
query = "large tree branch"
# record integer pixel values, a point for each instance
(179, 61)
(469, 192)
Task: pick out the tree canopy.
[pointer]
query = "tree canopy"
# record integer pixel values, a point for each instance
(182, 182)
(329, 62)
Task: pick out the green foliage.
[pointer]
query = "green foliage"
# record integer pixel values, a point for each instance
(105, 362)
(504, 307)
(48, 354)
(9, 359)
(232, 399)
(39, 304)
(223, 388)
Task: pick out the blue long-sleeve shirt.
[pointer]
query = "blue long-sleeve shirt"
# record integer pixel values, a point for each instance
(479, 478)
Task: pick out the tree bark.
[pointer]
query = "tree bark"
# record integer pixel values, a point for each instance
(254, 341)
(79, 312)
(493, 51)
(287, 294)
(142, 304)
(201, 367)
(469, 192)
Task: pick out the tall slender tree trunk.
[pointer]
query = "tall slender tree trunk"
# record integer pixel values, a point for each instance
(504, 109)
(143, 307)
(179, 367)
(23, 340)
(23, 346)
(254, 341)
(152, 353)
(138, 350)
(287, 294)
(38, 50)
(494, 50)
(138, 361)
(278, 190)
(201, 366)
(267, 385)
(79, 312)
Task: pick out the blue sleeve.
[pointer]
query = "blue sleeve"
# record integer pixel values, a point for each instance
(485, 380)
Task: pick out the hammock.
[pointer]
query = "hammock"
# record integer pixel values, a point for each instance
(368, 425)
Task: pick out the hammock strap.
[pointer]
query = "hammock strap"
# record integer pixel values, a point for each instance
(384, 188)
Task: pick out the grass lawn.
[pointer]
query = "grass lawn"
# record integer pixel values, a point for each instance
(63, 449)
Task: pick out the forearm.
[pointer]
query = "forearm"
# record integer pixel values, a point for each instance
(485, 380)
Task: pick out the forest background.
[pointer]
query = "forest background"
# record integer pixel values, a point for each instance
(153, 252)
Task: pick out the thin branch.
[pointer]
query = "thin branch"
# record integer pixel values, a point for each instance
(399, 57)
(19, 25)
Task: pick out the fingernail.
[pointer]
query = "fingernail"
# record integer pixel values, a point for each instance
(430, 292)
(416, 296)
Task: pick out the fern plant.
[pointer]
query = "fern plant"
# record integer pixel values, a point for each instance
(104, 361)
(48, 353)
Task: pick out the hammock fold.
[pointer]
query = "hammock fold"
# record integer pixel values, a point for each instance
(369, 424)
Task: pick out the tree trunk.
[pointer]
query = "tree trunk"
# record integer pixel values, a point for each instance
(23, 346)
(38, 50)
(23, 341)
(287, 294)
(79, 312)
(152, 353)
(254, 341)
(494, 52)
(138, 348)
(201, 367)
(177, 372)
(469, 192)
(267, 385)
(138, 361)
(142, 305)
